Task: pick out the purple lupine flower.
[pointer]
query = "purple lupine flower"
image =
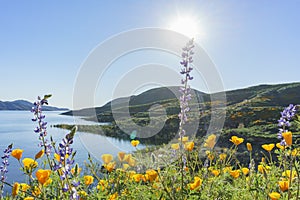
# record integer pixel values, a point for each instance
(286, 115)
(185, 90)
(3, 167)
(42, 125)
(65, 163)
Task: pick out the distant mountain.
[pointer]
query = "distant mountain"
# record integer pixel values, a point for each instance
(24, 105)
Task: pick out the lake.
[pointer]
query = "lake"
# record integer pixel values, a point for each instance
(16, 127)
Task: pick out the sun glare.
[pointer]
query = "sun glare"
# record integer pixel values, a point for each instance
(187, 26)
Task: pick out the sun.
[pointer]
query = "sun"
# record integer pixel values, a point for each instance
(185, 25)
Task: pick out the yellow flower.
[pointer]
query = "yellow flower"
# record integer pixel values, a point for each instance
(126, 166)
(235, 173)
(288, 137)
(210, 156)
(137, 177)
(175, 146)
(82, 193)
(17, 153)
(131, 162)
(249, 146)
(36, 191)
(107, 158)
(263, 169)
(279, 146)
(274, 195)
(197, 183)
(184, 139)
(102, 185)
(189, 146)
(15, 189)
(29, 198)
(210, 141)
(268, 147)
(88, 180)
(113, 196)
(245, 171)
(152, 174)
(227, 169)
(283, 185)
(222, 156)
(287, 173)
(134, 143)
(39, 154)
(29, 163)
(121, 156)
(43, 175)
(236, 140)
(215, 172)
(110, 166)
(295, 152)
(24, 187)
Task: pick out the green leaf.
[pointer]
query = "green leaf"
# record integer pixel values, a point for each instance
(47, 96)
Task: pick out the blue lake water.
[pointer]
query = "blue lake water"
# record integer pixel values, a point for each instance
(16, 127)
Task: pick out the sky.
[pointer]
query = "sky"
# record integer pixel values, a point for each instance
(43, 44)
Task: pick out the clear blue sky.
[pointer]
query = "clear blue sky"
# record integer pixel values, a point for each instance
(43, 43)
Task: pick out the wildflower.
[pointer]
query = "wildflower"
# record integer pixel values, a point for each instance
(15, 189)
(268, 147)
(286, 115)
(36, 191)
(279, 146)
(43, 175)
(24, 187)
(39, 154)
(113, 196)
(3, 167)
(245, 171)
(235, 173)
(288, 138)
(88, 180)
(121, 156)
(227, 169)
(197, 183)
(249, 146)
(215, 172)
(110, 166)
(189, 146)
(152, 174)
(222, 156)
(125, 166)
(210, 141)
(41, 129)
(288, 173)
(263, 168)
(175, 146)
(236, 140)
(107, 158)
(210, 155)
(29, 198)
(17, 153)
(102, 185)
(29, 163)
(283, 185)
(185, 97)
(48, 182)
(137, 177)
(184, 139)
(274, 195)
(134, 143)
(82, 193)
